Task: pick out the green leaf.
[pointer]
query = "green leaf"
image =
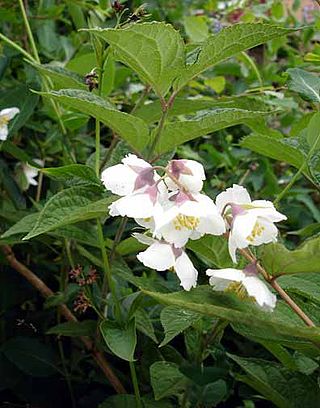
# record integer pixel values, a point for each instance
(274, 148)
(31, 356)
(166, 379)
(279, 260)
(74, 329)
(196, 28)
(228, 42)
(22, 226)
(175, 320)
(17, 153)
(69, 206)
(217, 83)
(212, 250)
(74, 173)
(286, 389)
(301, 285)
(151, 112)
(177, 133)
(61, 77)
(132, 129)
(307, 85)
(144, 324)
(121, 340)
(155, 51)
(229, 307)
(313, 132)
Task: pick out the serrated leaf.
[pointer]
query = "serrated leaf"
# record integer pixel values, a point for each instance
(151, 112)
(74, 329)
(304, 83)
(279, 260)
(301, 285)
(228, 307)
(61, 77)
(22, 226)
(196, 28)
(144, 324)
(212, 250)
(228, 42)
(285, 388)
(166, 379)
(313, 132)
(177, 133)
(120, 339)
(132, 129)
(175, 320)
(69, 206)
(74, 173)
(155, 51)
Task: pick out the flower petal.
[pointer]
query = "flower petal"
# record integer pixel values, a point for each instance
(235, 194)
(134, 206)
(221, 278)
(143, 239)
(186, 272)
(134, 161)
(119, 179)
(259, 290)
(10, 113)
(4, 132)
(158, 256)
(191, 179)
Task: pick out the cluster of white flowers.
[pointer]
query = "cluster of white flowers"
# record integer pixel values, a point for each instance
(173, 210)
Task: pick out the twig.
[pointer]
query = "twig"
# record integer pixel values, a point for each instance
(272, 281)
(66, 312)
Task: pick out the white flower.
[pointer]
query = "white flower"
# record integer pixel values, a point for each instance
(189, 173)
(31, 172)
(162, 256)
(187, 216)
(129, 177)
(222, 279)
(5, 116)
(251, 222)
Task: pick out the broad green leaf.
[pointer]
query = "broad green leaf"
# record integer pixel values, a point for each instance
(228, 307)
(212, 250)
(73, 173)
(217, 83)
(304, 83)
(279, 260)
(285, 388)
(109, 70)
(121, 340)
(313, 132)
(175, 320)
(144, 324)
(17, 153)
(151, 112)
(74, 329)
(301, 285)
(61, 77)
(31, 356)
(69, 206)
(166, 379)
(132, 129)
(22, 226)
(228, 42)
(177, 133)
(196, 28)
(155, 51)
(274, 148)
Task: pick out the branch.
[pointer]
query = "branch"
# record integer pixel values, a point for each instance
(66, 312)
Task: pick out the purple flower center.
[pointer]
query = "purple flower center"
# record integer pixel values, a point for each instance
(145, 178)
(178, 167)
(176, 251)
(181, 197)
(237, 210)
(251, 270)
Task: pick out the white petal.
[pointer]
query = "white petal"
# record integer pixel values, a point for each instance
(30, 173)
(259, 290)
(119, 179)
(186, 272)
(269, 233)
(133, 160)
(158, 256)
(192, 182)
(143, 239)
(134, 206)
(10, 113)
(147, 223)
(235, 194)
(221, 278)
(232, 247)
(178, 237)
(242, 227)
(266, 209)
(4, 132)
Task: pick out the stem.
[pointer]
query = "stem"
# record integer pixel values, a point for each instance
(97, 154)
(17, 47)
(135, 384)
(290, 302)
(68, 315)
(29, 32)
(253, 66)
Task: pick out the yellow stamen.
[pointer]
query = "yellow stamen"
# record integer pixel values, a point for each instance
(185, 221)
(257, 231)
(4, 120)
